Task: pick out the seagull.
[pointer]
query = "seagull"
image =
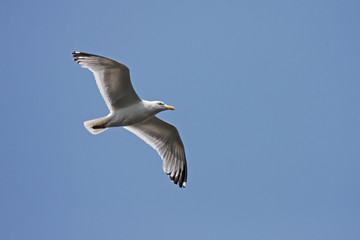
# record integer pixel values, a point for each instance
(134, 114)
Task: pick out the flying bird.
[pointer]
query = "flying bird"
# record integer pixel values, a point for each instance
(134, 114)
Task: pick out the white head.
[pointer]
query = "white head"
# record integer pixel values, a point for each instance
(158, 106)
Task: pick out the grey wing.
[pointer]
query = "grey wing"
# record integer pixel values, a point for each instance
(165, 139)
(112, 79)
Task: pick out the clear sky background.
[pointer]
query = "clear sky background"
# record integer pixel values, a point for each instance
(267, 104)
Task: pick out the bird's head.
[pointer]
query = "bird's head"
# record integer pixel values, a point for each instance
(159, 106)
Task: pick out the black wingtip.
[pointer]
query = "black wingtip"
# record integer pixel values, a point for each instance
(82, 54)
(76, 55)
(179, 179)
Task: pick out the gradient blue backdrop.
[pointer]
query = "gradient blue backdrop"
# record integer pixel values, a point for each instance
(267, 103)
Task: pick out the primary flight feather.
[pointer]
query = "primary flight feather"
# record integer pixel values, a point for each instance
(134, 114)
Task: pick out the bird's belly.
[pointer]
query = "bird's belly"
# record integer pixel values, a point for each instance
(127, 117)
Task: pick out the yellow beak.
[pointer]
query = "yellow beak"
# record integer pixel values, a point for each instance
(170, 108)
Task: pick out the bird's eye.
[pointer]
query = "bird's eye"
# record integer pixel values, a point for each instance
(160, 103)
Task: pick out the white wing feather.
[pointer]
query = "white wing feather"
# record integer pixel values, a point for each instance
(112, 79)
(165, 139)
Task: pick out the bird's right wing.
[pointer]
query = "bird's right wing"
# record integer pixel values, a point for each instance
(165, 139)
(112, 79)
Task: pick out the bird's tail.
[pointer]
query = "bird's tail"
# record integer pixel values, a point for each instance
(96, 126)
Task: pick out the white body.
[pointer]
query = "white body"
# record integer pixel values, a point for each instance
(131, 115)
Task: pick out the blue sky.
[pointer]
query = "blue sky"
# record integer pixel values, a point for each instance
(267, 103)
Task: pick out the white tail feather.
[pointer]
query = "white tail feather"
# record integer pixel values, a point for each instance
(97, 123)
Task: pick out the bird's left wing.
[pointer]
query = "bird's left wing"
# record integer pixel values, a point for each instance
(165, 139)
(112, 79)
